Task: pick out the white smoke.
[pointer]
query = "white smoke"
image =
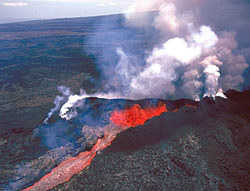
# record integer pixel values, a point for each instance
(75, 102)
(233, 65)
(124, 70)
(221, 94)
(158, 76)
(197, 50)
(69, 103)
(65, 91)
(191, 60)
(212, 77)
(137, 13)
(69, 109)
(212, 72)
(192, 84)
(167, 18)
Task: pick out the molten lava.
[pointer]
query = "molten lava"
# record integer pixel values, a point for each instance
(136, 115)
(121, 120)
(64, 171)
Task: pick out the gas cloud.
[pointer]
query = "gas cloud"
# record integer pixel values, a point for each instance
(194, 52)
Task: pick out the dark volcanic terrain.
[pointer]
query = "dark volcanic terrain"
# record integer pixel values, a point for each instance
(205, 147)
(38, 56)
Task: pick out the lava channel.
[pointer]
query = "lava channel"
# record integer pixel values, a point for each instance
(136, 115)
(121, 120)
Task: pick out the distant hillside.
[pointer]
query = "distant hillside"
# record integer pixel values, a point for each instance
(13, 20)
(205, 147)
(38, 56)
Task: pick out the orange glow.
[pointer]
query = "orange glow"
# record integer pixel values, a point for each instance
(121, 120)
(131, 117)
(136, 115)
(64, 171)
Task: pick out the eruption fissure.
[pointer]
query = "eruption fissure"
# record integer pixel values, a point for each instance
(120, 121)
(189, 60)
(136, 115)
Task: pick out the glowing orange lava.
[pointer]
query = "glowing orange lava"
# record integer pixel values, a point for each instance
(136, 115)
(64, 171)
(121, 120)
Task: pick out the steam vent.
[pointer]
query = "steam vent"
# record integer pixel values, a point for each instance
(152, 96)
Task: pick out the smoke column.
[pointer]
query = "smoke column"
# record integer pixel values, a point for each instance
(190, 59)
(65, 91)
(190, 54)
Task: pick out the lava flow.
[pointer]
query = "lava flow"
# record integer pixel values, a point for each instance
(121, 120)
(64, 171)
(136, 115)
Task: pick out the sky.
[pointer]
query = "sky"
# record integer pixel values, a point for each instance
(47, 9)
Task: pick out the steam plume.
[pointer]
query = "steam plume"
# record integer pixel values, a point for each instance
(190, 56)
(65, 91)
(69, 109)
(201, 52)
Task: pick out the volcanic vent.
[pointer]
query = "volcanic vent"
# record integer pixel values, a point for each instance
(192, 149)
(123, 114)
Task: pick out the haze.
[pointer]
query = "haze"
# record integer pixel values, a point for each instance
(14, 10)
